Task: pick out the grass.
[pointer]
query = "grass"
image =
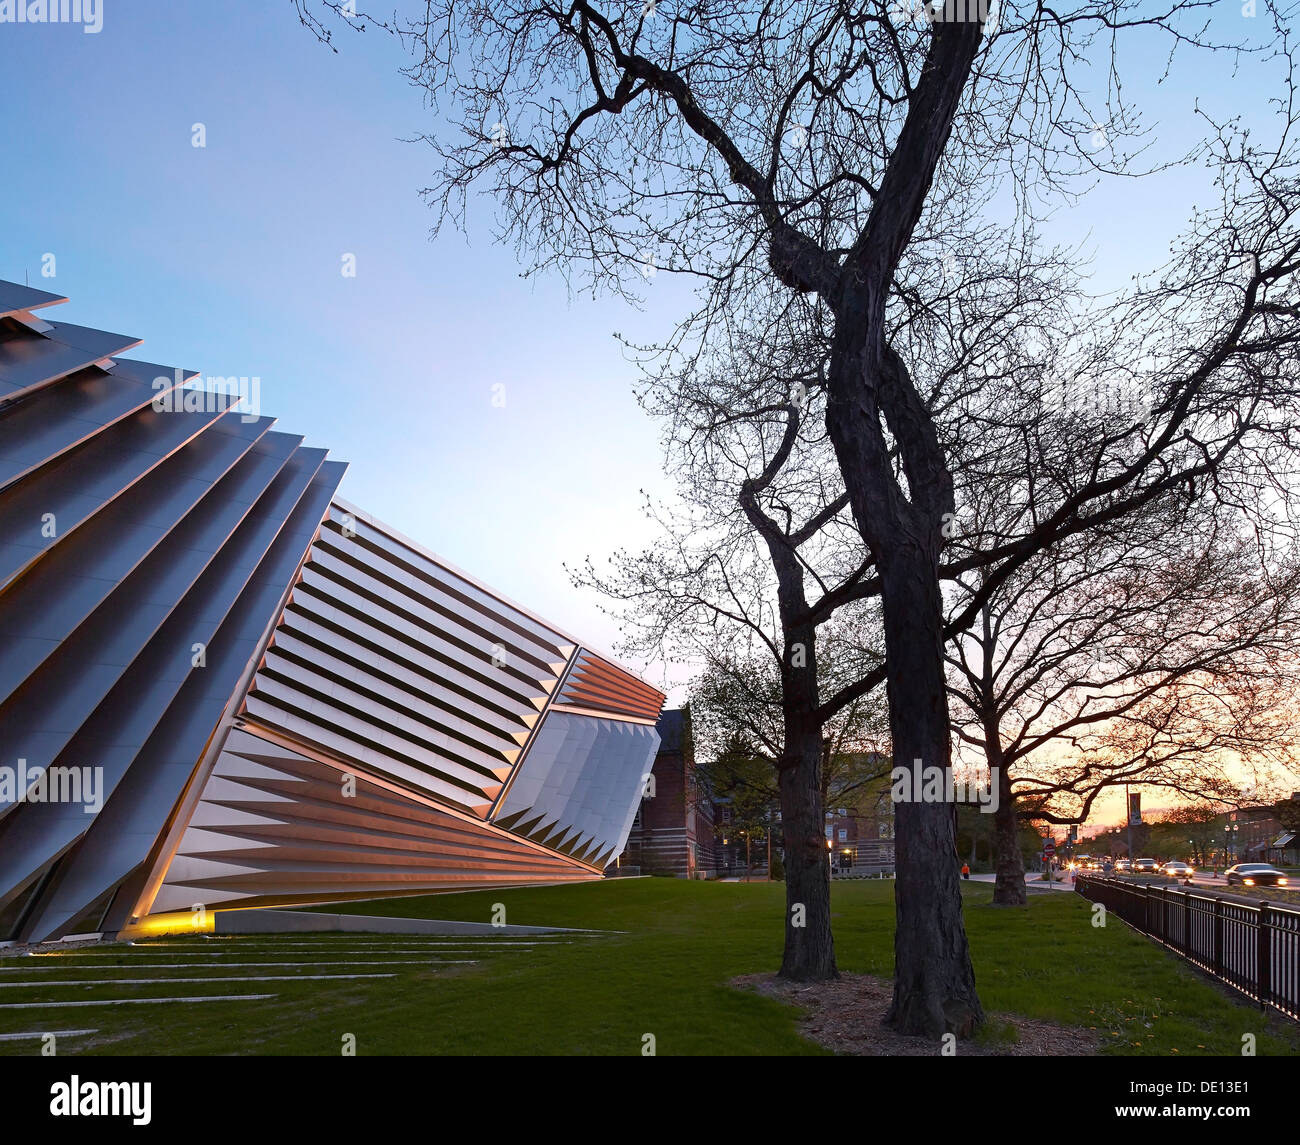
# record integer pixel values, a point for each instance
(667, 975)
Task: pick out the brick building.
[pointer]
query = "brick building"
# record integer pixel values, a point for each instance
(673, 830)
(1256, 835)
(860, 831)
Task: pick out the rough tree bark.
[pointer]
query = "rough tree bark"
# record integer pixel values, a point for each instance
(809, 954)
(934, 981)
(1009, 886)
(901, 519)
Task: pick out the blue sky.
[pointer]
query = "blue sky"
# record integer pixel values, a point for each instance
(227, 258)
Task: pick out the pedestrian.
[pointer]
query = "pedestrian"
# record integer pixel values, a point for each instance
(965, 870)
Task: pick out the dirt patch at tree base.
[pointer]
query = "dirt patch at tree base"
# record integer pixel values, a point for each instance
(847, 1016)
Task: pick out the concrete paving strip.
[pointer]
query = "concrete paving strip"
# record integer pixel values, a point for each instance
(206, 952)
(309, 950)
(47, 984)
(81, 967)
(46, 1033)
(353, 936)
(385, 944)
(145, 955)
(138, 1001)
(261, 920)
(306, 951)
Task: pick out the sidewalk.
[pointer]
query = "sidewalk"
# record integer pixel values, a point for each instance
(1032, 882)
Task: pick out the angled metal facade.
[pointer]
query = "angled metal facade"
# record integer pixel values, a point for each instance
(274, 697)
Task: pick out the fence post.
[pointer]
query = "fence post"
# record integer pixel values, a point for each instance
(1187, 923)
(1264, 974)
(1218, 937)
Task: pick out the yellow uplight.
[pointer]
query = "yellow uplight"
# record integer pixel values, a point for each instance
(177, 922)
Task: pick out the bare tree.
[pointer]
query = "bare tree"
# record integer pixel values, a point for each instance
(827, 146)
(1160, 650)
(741, 699)
(757, 575)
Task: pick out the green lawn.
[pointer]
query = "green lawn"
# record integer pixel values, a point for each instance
(666, 975)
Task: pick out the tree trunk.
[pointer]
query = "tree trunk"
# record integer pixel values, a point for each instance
(1009, 886)
(809, 948)
(934, 982)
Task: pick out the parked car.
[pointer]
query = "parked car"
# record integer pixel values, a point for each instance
(1145, 867)
(1176, 870)
(1255, 875)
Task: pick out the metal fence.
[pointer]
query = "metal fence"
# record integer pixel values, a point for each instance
(1253, 948)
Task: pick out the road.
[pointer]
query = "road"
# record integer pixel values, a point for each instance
(1206, 882)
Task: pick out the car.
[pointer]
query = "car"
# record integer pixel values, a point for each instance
(1176, 870)
(1145, 866)
(1121, 865)
(1255, 875)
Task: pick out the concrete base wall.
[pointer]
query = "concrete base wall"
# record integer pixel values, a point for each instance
(296, 922)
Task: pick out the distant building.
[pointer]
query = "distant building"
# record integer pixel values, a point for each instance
(1258, 836)
(860, 831)
(673, 832)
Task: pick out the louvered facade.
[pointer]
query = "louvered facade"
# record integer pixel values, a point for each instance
(260, 694)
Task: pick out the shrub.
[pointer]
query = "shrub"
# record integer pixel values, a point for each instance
(777, 873)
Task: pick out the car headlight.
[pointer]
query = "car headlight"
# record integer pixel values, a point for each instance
(1249, 882)
(1281, 882)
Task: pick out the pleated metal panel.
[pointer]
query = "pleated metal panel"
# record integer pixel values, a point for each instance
(596, 684)
(15, 298)
(231, 613)
(81, 481)
(28, 363)
(283, 700)
(388, 658)
(73, 412)
(148, 548)
(275, 826)
(580, 785)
